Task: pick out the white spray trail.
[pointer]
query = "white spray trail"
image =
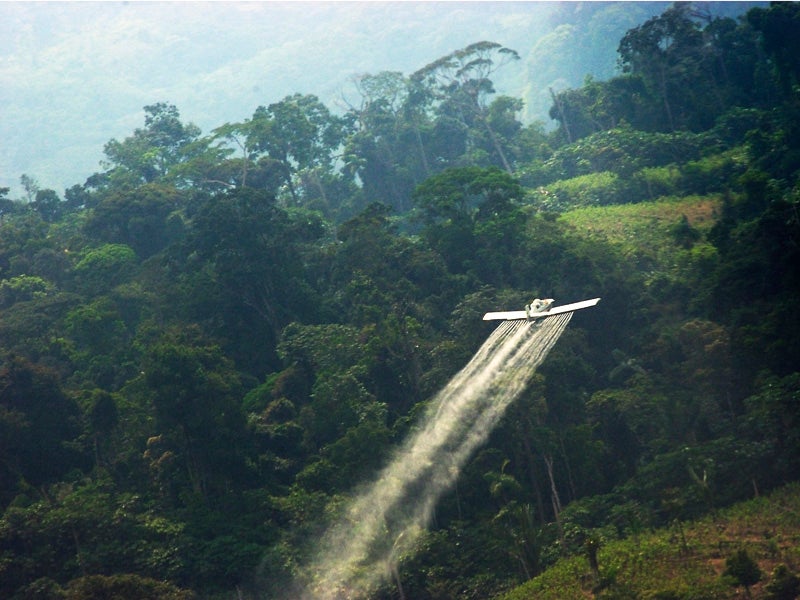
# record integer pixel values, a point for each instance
(383, 522)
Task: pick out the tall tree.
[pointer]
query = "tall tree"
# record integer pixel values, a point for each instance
(779, 26)
(598, 106)
(195, 395)
(386, 150)
(460, 86)
(147, 219)
(247, 253)
(151, 152)
(666, 51)
(300, 136)
(470, 218)
(37, 420)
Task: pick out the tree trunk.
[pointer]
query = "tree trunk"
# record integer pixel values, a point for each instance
(496, 144)
(558, 104)
(531, 462)
(548, 461)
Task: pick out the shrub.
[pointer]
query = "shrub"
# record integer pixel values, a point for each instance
(742, 569)
(783, 584)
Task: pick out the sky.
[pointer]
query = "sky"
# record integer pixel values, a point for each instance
(74, 75)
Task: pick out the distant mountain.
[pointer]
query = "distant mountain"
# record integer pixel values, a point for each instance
(75, 74)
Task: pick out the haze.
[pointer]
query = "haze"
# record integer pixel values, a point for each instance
(73, 75)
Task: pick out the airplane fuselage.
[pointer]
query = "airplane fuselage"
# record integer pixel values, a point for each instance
(532, 315)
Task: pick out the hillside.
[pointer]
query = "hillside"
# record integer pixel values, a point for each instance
(645, 233)
(687, 559)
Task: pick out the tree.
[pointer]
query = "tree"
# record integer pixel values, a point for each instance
(7, 206)
(742, 569)
(102, 419)
(102, 268)
(666, 52)
(470, 219)
(152, 152)
(196, 399)
(48, 205)
(100, 348)
(130, 586)
(299, 135)
(460, 83)
(598, 106)
(37, 420)
(247, 253)
(502, 118)
(30, 185)
(386, 150)
(773, 415)
(146, 218)
(236, 134)
(23, 288)
(779, 26)
(783, 584)
(736, 63)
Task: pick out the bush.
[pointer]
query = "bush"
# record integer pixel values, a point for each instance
(783, 585)
(742, 569)
(654, 182)
(713, 173)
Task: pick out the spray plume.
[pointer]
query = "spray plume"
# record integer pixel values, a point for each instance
(383, 522)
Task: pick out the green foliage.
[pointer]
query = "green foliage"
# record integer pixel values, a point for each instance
(195, 393)
(779, 26)
(622, 150)
(772, 413)
(467, 209)
(152, 152)
(146, 219)
(132, 587)
(596, 189)
(296, 138)
(102, 268)
(653, 565)
(782, 585)
(39, 421)
(657, 182)
(208, 347)
(713, 172)
(246, 253)
(23, 287)
(645, 233)
(742, 569)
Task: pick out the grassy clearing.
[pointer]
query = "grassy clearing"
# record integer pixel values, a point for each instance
(685, 561)
(644, 229)
(657, 238)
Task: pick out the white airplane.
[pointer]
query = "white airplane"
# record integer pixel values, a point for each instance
(539, 309)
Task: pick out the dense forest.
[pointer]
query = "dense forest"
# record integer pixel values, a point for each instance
(212, 341)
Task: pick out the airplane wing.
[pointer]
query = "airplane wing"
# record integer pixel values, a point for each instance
(556, 310)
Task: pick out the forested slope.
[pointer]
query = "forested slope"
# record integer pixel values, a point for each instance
(209, 344)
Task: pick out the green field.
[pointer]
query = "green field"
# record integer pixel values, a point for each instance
(645, 227)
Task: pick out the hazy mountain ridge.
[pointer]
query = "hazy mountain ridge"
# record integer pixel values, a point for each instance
(74, 75)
